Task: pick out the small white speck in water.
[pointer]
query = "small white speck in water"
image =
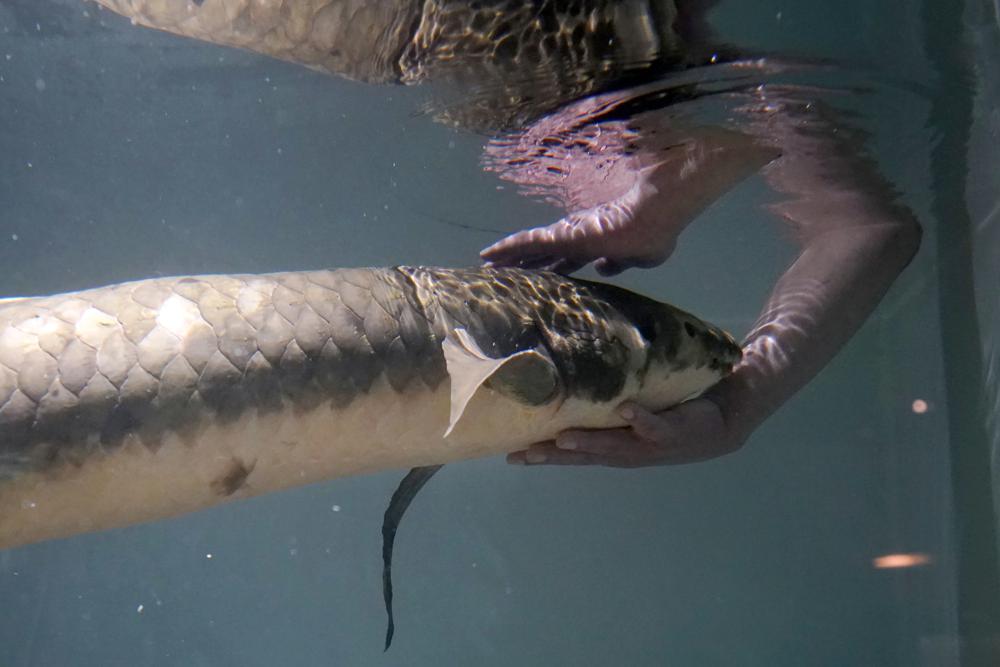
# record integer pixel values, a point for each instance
(451, 144)
(293, 552)
(335, 508)
(139, 609)
(30, 165)
(27, 504)
(208, 556)
(39, 84)
(14, 237)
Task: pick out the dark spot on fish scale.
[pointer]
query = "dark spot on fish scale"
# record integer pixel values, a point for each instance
(233, 479)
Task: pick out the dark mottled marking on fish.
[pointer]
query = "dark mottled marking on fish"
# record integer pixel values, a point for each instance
(234, 478)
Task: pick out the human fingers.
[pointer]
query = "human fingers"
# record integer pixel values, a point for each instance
(595, 441)
(543, 263)
(568, 238)
(531, 262)
(692, 431)
(609, 267)
(618, 448)
(546, 453)
(565, 266)
(524, 247)
(646, 425)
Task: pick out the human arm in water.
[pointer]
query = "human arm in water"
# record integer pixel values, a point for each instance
(854, 241)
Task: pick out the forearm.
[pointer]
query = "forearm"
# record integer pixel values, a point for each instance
(815, 308)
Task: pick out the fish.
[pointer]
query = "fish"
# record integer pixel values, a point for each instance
(155, 398)
(511, 61)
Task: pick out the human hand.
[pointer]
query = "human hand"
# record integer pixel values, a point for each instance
(696, 430)
(637, 229)
(677, 174)
(610, 235)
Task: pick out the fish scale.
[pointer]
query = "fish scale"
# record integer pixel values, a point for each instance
(117, 401)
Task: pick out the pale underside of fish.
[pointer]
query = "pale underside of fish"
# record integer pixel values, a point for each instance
(155, 398)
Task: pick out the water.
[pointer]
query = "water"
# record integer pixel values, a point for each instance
(128, 153)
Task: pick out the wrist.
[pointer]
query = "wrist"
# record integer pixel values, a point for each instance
(739, 403)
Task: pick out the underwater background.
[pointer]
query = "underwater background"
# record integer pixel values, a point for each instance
(129, 153)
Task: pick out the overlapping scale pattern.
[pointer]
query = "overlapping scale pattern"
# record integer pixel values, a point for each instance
(85, 370)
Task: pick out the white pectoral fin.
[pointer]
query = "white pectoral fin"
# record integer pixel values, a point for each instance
(469, 368)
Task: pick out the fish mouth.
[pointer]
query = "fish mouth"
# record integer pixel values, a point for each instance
(733, 352)
(723, 350)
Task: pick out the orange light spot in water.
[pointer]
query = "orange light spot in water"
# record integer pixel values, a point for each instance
(896, 561)
(920, 406)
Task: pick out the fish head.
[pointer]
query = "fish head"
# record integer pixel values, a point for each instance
(681, 355)
(541, 338)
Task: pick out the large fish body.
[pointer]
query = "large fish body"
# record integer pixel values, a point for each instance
(158, 397)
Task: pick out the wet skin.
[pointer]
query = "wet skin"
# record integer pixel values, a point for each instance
(854, 240)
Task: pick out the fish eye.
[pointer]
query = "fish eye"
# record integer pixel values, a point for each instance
(646, 324)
